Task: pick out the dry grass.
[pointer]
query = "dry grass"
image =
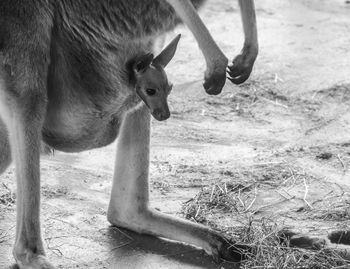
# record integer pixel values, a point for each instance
(54, 192)
(271, 247)
(339, 210)
(237, 199)
(237, 191)
(272, 250)
(7, 198)
(4, 236)
(218, 197)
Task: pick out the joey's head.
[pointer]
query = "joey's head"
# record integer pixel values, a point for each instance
(151, 81)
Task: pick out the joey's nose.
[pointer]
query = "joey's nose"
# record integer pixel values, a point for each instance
(160, 114)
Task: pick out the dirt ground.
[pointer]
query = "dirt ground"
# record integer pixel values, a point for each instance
(278, 147)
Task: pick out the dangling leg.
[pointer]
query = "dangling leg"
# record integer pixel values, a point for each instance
(129, 206)
(242, 65)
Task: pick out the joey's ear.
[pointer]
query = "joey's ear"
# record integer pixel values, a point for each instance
(168, 53)
(142, 62)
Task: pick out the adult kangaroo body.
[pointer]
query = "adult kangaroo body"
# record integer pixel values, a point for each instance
(63, 80)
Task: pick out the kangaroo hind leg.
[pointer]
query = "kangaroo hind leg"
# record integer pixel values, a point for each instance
(22, 112)
(129, 206)
(23, 99)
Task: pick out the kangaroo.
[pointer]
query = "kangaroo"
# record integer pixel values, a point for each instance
(151, 82)
(63, 82)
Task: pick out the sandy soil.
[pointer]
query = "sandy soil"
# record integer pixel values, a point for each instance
(282, 139)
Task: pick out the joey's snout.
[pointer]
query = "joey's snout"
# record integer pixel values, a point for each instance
(161, 114)
(156, 102)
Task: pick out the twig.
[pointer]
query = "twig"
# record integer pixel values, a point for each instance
(286, 180)
(305, 194)
(272, 102)
(222, 191)
(294, 179)
(263, 267)
(239, 198)
(129, 237)
(242, 189)
(195, 216)
(63, 221)
(120, 246)
(65, 236)
(54, 250)
(284, 196)
(7, 188)
(267, 163)
(342, 163)
(253, 201)
(340, 188)
(212, 193)
(271, 204)
(277, 78)
(4, 235)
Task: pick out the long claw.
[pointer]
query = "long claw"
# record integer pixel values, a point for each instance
(234, 71)
(242, 77)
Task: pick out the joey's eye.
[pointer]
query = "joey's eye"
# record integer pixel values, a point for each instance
(150, 92)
